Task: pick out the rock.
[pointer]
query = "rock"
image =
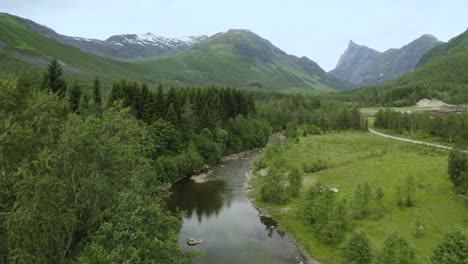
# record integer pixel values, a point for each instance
(193, 241)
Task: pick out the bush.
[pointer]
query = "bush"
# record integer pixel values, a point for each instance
(259, 164)
(295, 179)
(357, 248)
(272, 190)
(458, 169)
(316, 165)
(396, 250)
(453, 249)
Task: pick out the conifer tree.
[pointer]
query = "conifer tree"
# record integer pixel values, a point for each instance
(53, 79)
(160, 103)
(97, 92)
(74, 97)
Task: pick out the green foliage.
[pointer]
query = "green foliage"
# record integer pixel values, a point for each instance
(458, 169)
(452, 249)
(291, 131)
(409, 190)
(295, 180)
(97, 92)
(396, 250)
(357, 248)
(273, 191)
(351, 161)
(53, 79)
(361, 200)
(314, 166)
(294, 111)
(137, 230)
(451, 128)
(339, 223)
(418, 226)
(74, 97)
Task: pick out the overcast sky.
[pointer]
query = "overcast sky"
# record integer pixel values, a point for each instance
(319, 30)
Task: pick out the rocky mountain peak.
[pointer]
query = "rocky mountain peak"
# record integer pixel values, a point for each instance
(365, 66)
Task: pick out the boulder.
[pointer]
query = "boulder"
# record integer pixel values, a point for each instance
(193, 241)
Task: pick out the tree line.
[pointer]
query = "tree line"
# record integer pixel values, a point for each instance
(452, 127)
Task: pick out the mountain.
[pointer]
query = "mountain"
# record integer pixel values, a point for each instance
(364, 66)
(241, 58)
(236, 58)
(126, 46)
(442, 73)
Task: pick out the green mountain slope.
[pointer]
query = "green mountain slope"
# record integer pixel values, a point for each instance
(22, 43)
(455, 45)
(443, 74)
(238, 58)
(241, 58)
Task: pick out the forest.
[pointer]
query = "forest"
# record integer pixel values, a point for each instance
(85, 177)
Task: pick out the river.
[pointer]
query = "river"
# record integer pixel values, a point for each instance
(218, 212)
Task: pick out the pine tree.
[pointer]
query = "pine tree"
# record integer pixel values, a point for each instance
(74, 97)
(53, 78)
(97, 92)
(160, 103)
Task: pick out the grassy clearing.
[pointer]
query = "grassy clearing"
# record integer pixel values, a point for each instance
(355, 157)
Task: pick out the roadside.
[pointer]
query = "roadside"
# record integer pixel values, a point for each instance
(412, 141)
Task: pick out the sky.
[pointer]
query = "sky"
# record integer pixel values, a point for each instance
(320, 30)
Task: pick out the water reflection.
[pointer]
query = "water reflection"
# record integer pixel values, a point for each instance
(231, 228)
(203, 199)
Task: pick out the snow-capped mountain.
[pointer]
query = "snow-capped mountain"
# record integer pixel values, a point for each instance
(126, 46)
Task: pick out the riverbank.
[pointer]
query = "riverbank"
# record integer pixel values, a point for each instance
(263, 211)
(352, 158)
(219, 212)
(203, 174)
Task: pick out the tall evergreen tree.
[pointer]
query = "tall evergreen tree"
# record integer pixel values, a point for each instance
(74, 97)
(160, 103)
(97, 92)
(53, 79)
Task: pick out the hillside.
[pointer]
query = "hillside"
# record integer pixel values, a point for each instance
(240, 58)
(443, 74)
(25, 48)
(237, 58)
(125, 46)
(365, 66)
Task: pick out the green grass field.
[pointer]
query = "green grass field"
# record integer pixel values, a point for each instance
(355, 157)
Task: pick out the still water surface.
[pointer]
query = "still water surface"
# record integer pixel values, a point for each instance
(218, 212)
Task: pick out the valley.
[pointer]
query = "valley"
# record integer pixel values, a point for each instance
(215, 139)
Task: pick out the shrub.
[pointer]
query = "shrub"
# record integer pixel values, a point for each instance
(357, 248)
(453, 249)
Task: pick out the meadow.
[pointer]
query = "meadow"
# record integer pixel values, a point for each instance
(351, 158)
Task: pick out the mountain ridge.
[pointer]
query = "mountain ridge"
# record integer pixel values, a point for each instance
(364, 66)
(122, 46)
(236, 58)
